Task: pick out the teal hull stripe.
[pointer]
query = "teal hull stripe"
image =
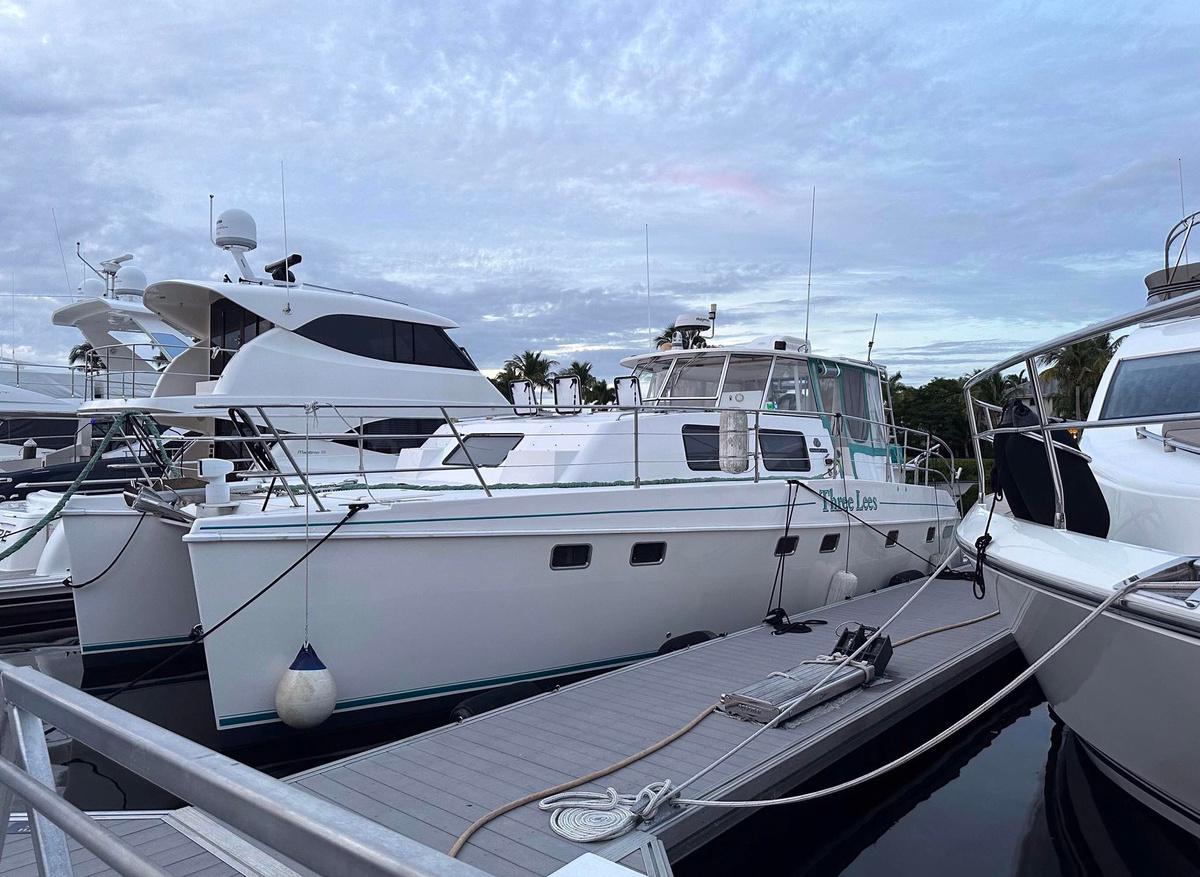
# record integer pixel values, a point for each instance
(352, 522)
(396, 696)
(137, 644)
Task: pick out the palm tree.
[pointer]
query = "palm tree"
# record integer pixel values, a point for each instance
(82, 355)
(502, 380)
(1077, 369)
(601, 393)
(691, 337)
(531, 366)
(582, 371)
(996, 389)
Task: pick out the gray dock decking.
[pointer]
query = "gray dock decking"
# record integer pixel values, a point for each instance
(432, 786)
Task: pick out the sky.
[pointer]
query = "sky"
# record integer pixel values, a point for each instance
(987, 175)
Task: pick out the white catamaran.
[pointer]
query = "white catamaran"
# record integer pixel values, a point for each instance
(560, 538)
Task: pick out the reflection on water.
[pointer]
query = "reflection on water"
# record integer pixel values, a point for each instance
(1015, 795)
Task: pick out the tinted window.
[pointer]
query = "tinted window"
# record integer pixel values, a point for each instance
(570, 556)
(1166, 384)
(700, 447)
(827, 386)
(786, 545)
(784, 450)
(401, 432)
(647, 553)
(230, 326)
(432, 346)
(387, 340)
(829, 542)
(486, 450)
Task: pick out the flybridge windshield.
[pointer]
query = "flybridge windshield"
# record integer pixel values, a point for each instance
(1149, 385)
(737, 380)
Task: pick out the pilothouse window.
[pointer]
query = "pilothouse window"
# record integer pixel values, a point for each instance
(387, 340)
(790, 388)
(745, 380)
(695, 380)
(230, 326)
(1164, 384)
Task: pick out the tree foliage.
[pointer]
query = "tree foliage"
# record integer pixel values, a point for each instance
(935, 407)
(1077, 369)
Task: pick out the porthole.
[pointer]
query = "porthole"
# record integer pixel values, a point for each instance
(893, 537)
(947, 531)
(829, 543)
(786, 546)
(930, 533)
(570, 556)
(647, 553)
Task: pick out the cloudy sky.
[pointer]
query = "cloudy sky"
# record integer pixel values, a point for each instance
(987, 174)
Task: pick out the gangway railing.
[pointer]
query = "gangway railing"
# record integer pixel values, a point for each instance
(309, 830)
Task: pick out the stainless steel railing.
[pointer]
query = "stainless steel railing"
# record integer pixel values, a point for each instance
(310, 830)
(1042, 431)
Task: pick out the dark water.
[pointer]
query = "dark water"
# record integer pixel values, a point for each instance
(1013, 795)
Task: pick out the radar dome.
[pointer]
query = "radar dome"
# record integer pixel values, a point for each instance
(92, 287)
(129, 280)
(236, 228)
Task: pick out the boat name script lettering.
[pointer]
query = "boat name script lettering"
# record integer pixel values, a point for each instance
(856, 503)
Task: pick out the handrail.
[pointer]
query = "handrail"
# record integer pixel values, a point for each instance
(1168, 443)
(310, 830)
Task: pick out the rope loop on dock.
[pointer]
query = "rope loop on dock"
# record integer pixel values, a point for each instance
(587, 817)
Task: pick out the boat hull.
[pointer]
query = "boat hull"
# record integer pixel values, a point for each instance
(429, 599)
(1124, 684)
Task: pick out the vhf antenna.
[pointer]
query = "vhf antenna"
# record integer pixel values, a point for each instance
(649, 325)
(61, 254)
(811, 223)
(871, 343)
(1182, 208)
(287, 301)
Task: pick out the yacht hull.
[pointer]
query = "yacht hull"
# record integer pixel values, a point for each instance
(1124, 684)
(437, 597)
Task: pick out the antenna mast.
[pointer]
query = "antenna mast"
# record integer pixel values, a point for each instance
(62, 255)
(871, 343)
(649, 326)
(287, 299)
(1182, 208)
(811, 224)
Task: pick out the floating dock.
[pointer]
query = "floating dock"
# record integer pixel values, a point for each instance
(431, 787)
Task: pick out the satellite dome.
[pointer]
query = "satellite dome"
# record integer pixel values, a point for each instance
(129, 280)
(236, 228)
(92, 287)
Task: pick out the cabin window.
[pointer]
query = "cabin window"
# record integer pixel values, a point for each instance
(947, 531)
(893, 537)
(783, 450)
(829, 542)
(694, 380)
(875, 409)
(387, 340)
(745, 380)
(230, 326)
(401, 432)
(647, 553)
(827, 387)
(930, 533)
(651, 375)
(1163, 384)
(570, 556)
(485, 450)
(701, 448)
(786, 546)
(790, 388)
(854, 397)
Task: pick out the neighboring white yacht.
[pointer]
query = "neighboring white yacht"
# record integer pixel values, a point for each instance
(264, 341)
(1114, 521)
(561, 539)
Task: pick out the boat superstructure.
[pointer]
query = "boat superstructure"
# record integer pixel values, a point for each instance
(1112, 518)
(265, 343)
(561, 538)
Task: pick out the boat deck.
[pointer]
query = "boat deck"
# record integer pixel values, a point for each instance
(433, 786)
